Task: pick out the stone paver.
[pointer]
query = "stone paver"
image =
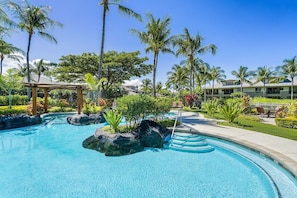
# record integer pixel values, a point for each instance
(282, 150)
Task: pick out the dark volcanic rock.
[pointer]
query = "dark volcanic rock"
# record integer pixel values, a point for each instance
(113, 144)
(84, 119)
(10, 122)
(148, 134)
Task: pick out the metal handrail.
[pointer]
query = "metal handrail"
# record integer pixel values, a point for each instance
(174, 126)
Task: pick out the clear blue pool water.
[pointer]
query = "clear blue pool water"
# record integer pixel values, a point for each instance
(49, 161)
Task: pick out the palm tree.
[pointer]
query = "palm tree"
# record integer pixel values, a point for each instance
(204, 73)
(6, 22)
(264, 75)
(157, 38)
(178, 78)
(190, 46)
(41, 67)
(216, 74)
(33, 20)
(242, 76)
(105, 4)
(8, 51)
(146, 85)
(290, 69)
(159, 87)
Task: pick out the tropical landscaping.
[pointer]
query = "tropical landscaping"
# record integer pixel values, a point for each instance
(105, 73)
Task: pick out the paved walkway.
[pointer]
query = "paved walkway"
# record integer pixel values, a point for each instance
(282, 150)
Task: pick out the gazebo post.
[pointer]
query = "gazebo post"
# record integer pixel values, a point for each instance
(79, 100)
(45, 91)
(34, 96)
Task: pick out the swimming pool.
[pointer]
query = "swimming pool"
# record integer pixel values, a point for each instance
(49, 161)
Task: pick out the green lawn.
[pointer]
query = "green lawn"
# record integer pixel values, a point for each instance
(253, 125)
(266, 128)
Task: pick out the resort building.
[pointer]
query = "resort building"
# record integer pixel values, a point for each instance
(281, 90)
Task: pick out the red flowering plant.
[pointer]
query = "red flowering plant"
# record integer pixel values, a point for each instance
(191, 100)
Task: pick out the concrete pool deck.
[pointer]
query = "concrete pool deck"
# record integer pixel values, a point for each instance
(281, 150)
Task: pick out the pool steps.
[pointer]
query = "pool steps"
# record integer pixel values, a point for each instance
(189, 142)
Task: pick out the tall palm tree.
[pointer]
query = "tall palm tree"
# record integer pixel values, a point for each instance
(105, 4)
(290, 69)
(204, 74)
(242, 75)
(8, 51)
(190, 46)
(264, 75)
(178, 78)
(216, 74)
(157, 38)
(33, 20)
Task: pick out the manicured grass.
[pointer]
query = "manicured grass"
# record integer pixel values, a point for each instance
(272, 100)
(265, 128)
(252, 124)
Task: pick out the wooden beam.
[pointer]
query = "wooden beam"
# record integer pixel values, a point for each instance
(34, 100)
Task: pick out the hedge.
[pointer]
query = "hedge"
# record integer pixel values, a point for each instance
(289, 122)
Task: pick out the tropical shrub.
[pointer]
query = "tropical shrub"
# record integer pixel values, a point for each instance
(191, 100)
(15, 110)
(135, 107)
(89, 107)
(230, 111)
(114, 119)
(289, 122)
(246, 104)
(16, 100)
(101, 102)
(211, 106)
(39, 106)
(161, 106)
(282, 112)
(62, 103)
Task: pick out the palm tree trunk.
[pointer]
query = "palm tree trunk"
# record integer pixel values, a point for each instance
(212, 90)
(191, 74)
(102, 47)
(28, 67)
(264, 91)
(154, 73)
(292, 88)
(1, 65)
(205, 93)
(241, 89)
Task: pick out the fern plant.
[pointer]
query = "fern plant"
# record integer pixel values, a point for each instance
(114, 119)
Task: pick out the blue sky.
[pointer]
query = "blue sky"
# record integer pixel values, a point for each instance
(252, 33)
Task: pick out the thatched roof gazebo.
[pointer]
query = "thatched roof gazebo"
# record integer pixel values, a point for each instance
(55, 85)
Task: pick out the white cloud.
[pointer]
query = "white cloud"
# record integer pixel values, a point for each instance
(134, 82)
(10, 63)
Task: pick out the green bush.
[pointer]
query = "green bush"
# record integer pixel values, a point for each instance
(16, 100)
(16, 110)
(135, 107)
(160, 107)
(289, 122)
